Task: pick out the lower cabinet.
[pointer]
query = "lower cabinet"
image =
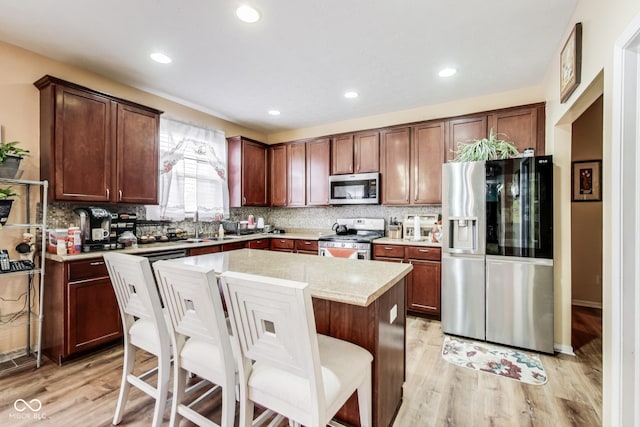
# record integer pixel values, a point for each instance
(309, 247)
(80, 309)
(423, 283)
(258, 244)
(282, 245)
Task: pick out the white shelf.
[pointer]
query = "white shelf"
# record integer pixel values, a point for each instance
(30, 316)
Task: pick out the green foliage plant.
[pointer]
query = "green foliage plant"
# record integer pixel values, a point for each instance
(490, 148)
(11, 148)
(6, 192)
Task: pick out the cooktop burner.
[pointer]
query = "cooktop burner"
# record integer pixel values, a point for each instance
(355, 238)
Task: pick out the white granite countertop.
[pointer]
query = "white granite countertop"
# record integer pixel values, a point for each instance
(356, 282)
(183, 244)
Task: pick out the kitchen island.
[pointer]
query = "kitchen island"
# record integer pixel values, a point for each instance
(355, 300)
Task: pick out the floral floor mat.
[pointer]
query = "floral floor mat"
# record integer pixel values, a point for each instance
(503, 361)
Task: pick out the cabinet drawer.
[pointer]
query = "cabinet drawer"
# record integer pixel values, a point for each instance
(89, 269)
(281, 243)
(204, 250)
(307, 245)
(388, 251)
(421, 252)
(259, 244)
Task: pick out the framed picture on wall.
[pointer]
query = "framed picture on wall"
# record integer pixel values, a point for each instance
(570, 63)
(586, 181)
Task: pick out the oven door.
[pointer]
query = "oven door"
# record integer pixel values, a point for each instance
(350, 253)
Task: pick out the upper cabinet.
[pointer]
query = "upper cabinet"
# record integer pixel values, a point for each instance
(464, 129)
(299, 173)
(355, 153)
(524, 126)
(411, 164)
(318, 172)
(278, 174)
(95, 147)
(247, 172)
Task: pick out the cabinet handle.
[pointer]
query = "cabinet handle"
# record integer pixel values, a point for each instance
(388, 248)
(282, 241)
(423, 250)
(107, 193)
(244, 200)
(120, 195)
(307, 243)
(96, 263)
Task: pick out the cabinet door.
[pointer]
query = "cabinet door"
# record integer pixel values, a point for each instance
(465, 130)
(84, 146)
(254, 174)
(427, 156)
(233, 246)
(306, 247)
(137, 159)
(395, 161)
(520, 127)
(258, 244)
(366, 152)
(94, 317)
(423, 287)
(278, 175)
(282, 245)
(296, 172)
(342, 155)
(318, 172)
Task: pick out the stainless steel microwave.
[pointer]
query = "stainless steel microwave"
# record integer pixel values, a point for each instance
(355, 189)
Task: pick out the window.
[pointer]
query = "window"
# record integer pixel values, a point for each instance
(193, 172)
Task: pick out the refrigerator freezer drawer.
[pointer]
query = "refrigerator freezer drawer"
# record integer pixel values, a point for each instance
(463, 296)
(520, 302)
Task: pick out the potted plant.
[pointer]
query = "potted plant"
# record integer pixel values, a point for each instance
(5, 203)
(10, 156)
(490, 148)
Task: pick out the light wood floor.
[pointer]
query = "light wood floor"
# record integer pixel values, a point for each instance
(84, 392)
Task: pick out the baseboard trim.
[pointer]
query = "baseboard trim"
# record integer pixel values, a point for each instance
(583, 303)
(564, 349)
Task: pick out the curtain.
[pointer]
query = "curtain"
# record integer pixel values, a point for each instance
(193, 173)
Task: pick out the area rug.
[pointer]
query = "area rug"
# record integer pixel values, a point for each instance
(503, 361)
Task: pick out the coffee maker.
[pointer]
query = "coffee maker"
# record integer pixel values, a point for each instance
(95, 229)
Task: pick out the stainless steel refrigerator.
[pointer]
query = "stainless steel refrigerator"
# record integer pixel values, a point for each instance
(497, 255)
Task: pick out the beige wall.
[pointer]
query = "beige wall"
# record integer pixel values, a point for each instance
(586, 217)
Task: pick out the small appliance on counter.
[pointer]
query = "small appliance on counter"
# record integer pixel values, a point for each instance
(425, 224)
(121, 223)
(95, 229)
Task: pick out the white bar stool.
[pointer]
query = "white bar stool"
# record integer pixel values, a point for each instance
(284, 364)
(144, 327)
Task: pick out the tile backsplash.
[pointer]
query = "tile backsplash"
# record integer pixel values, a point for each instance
(61, 215)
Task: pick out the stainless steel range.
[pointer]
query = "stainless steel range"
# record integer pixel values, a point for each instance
(352, 239)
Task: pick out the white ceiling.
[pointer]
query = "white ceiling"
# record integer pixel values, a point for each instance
(302, 55)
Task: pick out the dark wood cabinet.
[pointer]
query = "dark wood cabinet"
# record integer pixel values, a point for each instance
(137, 159)
(464, 130)
(395, 162)
(95, 147)
(296, 174)
(247, 166)
(282, 245)
(524, 127)
(278, 174)
(423, 282)
(202, 250)
(427, 156)
(423, 285)
(306, 247)
(80, 310)
(258, 244)
(318, 172)
(355, 153)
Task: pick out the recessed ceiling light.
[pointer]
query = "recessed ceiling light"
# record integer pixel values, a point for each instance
(247, 14)
(351, 94)
(274, 112)
(160, 57)
(447, 72)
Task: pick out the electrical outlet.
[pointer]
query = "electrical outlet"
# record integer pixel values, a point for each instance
(393, 313)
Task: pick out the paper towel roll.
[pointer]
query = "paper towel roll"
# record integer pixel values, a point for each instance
(416, 228)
